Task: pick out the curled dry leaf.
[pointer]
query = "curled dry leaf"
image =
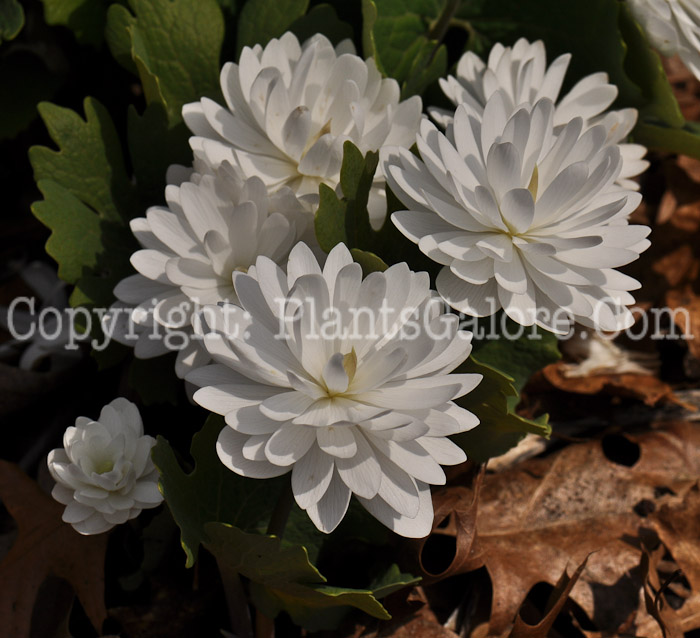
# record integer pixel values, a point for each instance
(644, 387)
(45, 545)
(559, 596)
(598, 498)
(654, 603)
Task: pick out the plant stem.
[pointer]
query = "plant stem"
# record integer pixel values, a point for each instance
(278, 520)
(264, 626)
(236, 601)
(439, 28)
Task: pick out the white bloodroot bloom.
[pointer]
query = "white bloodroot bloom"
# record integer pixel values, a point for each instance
(321, 372)
(290, 108)
(521, 217)
(104, 473)
(521, 72)
(213, 226)
(673, 27)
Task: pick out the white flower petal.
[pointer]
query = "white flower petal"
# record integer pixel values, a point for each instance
(311, 477)
(417, 526)
(330, 509)
(337, 441)
(229, 448)
(288, 444)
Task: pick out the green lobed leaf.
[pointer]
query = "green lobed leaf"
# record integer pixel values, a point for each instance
(85, 18)
(75, 240)
(213, 493)
(428, 65)
(118, 38)
(262, 20)
(174, 44)
(89, 162)
(322, 19)
(283, 579)
(493, 401)
(392, 580)
(346, 219)
(11, 19)
(403, 37)
(91, 253)
(88, 197)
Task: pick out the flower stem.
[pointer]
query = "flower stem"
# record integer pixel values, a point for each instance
(264, 626)
(278, 519)
(236, 601)
(439, 28)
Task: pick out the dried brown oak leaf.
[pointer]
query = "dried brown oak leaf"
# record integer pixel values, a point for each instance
(644, 387)
(546, 515)
(45, 545)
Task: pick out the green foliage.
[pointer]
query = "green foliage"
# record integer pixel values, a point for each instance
(283, 579)
(11, 19)
(89, 162)
(228, 514)
(506, 363)
(262, 20)
(493, 401)
(88, 197)
(174, 44)
(74, 242)
(321, 19)
(346, 219)
(86, 18)
(118, 36)
(213, 493)
(391, 581)
(643, 66)
(404, 38)
(531, 351)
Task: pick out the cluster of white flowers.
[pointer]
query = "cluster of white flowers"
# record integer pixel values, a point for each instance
(524, 200)
(673, 27)
(216, 223)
